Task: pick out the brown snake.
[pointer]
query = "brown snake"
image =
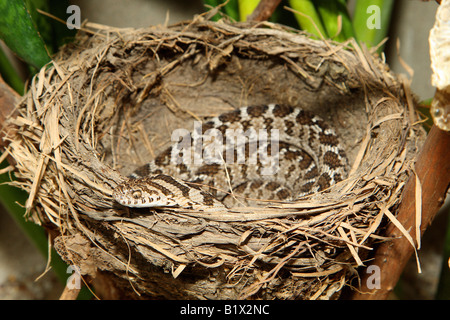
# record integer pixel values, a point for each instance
(236, 163)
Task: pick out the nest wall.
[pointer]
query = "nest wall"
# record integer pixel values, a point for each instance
(109, 103)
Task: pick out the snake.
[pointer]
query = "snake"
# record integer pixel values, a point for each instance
(250, 156)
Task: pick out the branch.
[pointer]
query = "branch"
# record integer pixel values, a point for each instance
(264, 10)
(8, 100)
(433, 169)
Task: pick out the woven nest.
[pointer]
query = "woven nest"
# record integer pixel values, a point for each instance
(109, 103)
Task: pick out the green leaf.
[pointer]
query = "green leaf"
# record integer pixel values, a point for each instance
(232, 9)
(283, 16)
(212, 4)
(308, 18)
(19, 32)
(41, 22)
(10, 74)
(371, 20)
(246, 7)
(330, 12)
(60, 33)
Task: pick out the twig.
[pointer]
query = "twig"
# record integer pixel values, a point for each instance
(69, 294)
(264, 10)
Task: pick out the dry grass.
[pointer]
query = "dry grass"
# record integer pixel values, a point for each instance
(109, 102)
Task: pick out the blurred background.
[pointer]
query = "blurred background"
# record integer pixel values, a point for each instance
(21, 263)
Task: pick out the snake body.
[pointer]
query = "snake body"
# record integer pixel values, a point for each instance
(283, 153)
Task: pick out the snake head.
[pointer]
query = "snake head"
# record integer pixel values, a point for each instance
(140, 193)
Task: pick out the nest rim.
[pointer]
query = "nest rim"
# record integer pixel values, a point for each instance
(61, 186)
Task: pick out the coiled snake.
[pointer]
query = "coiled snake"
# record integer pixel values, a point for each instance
(272, 152)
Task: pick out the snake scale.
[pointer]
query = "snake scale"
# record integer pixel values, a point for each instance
(272, 152)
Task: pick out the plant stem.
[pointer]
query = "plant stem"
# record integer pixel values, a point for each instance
(308, 18)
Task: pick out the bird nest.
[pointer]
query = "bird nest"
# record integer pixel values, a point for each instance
(109, 102)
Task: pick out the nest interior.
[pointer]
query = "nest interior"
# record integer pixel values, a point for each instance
(109, 103)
